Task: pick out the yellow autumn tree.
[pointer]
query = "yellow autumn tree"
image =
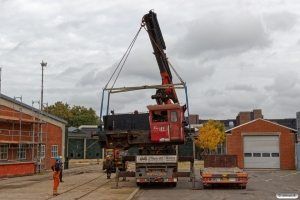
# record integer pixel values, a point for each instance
(210, 135)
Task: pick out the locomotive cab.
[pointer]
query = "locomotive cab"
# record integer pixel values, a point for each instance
(166, 123)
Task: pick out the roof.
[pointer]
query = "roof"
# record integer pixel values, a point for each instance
(72, 129)
(87, 126)
(229, 130)
(32, 108)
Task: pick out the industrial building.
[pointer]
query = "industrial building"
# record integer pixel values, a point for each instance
(29, 139)
(81, 145)
(262, 144)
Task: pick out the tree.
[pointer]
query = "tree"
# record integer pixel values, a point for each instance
(210, 135)
(75, 116)
(60, 110)
(83, 116)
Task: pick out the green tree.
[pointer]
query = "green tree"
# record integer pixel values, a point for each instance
(75, 116)
(83, 116)
(60, 110)
(210, 135)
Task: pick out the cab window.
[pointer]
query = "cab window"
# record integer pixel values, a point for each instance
(159, 116)
(173, 116)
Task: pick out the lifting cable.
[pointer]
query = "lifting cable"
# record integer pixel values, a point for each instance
(164, 55)
(126, 54)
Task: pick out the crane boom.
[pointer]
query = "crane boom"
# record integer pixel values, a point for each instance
(162, 96)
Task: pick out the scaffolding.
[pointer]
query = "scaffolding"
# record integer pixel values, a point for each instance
(22, 135)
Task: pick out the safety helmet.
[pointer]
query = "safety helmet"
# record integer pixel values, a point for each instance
(107, 157)
(60, 157)
(57, 158)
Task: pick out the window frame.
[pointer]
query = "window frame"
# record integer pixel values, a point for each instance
(21, 153)
(54, 151)
(42, 153)
(172, 116)
(248, 155)
(255, 155)
(3, 147)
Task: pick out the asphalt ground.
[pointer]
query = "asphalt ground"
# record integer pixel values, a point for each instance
(263, 184)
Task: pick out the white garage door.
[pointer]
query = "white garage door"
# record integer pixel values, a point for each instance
(261, 152)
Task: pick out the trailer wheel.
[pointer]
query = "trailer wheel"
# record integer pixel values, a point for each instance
(241, 186)
(209, 186)
(139, 184)
(173, 184)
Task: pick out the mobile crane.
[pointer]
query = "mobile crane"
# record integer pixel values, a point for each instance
(157, 132)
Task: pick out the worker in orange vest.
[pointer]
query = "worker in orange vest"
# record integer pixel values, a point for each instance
(56, 172)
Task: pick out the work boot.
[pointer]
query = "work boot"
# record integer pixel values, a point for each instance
(61, 181)
(108, 177)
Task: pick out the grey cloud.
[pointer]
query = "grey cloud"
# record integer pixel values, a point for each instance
(241, 87)
(283, 82)
(282, 21)
(70, 71)
(221, 34)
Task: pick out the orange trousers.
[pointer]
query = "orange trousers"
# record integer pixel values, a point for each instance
(55, 182)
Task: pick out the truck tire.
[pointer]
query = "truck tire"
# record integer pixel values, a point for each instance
(138, 184)
(174, 184)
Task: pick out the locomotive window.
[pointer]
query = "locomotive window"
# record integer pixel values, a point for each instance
(173, 116)
(160, 116)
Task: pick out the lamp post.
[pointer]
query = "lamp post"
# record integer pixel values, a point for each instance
(43, 64)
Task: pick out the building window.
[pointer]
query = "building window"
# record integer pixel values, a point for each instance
(3, 152)
(42, 153)
(22, 153)
(54, 151)
(248, 154)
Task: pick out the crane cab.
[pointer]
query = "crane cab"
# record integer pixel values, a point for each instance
(166, 123)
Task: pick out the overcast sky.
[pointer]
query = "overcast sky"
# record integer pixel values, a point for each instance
(234, 55)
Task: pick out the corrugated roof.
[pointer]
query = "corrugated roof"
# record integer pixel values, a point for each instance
(32, 108)
(227, 131)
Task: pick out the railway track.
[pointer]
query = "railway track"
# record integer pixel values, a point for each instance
(88, 187)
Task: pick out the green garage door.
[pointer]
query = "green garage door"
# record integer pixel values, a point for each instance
(93, 149)
(75, 148)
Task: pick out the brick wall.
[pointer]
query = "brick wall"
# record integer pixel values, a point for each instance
(257, 113)
(54, 136)
(194, 119)
(286, 141)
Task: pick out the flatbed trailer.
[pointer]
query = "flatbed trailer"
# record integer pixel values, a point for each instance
(222, 170)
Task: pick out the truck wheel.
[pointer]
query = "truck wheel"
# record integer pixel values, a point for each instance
(173, 184)
(138, 184)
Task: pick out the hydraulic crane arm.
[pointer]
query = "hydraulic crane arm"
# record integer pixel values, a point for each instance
(162, 96)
